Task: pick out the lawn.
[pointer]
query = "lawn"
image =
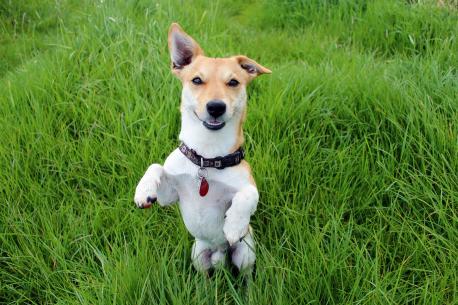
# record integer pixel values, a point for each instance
(353, 141)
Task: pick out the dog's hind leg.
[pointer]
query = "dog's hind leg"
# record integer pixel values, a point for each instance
(201, 255)
(205, 257)
(243, 253)
(218, 258)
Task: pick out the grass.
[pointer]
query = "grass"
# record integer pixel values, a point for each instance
(353, 141)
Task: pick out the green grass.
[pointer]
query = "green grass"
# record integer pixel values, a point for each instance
(353, 142)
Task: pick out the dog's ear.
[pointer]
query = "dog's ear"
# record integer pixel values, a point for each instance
(183, 49)
(251, 67)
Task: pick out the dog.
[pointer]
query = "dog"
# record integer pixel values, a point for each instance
(207, 175)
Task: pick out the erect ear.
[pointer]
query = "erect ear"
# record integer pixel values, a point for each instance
(251, 67)
(183, 49)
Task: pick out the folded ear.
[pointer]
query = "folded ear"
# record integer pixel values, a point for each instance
(251, 67)
(183, 49)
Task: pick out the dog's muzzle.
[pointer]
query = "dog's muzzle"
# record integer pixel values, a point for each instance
(215, 108)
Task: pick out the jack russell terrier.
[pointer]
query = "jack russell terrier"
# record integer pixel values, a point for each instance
(206, 174)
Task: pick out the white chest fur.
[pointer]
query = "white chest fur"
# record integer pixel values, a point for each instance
(204, 215)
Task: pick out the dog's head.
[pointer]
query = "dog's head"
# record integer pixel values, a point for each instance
(214, 89)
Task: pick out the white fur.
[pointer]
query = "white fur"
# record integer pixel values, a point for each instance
(243, 255)
(221, 216)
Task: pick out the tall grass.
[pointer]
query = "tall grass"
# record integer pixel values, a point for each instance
(352, 140)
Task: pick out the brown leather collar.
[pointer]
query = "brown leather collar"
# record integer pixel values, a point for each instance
(217, 162)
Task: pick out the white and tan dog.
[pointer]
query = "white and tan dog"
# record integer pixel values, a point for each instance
(213, 109)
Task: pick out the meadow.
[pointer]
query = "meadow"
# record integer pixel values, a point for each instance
(353, 141)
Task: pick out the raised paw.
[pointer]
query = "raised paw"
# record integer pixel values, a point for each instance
(145, 196)
(146, 191)
(148, 204)
(235, 231)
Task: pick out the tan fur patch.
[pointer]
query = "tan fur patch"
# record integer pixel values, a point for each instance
(246, 167)
(215, 74)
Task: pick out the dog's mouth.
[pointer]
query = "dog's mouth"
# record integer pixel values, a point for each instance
(212, 123)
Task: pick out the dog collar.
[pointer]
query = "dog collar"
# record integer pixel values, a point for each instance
(217, 162)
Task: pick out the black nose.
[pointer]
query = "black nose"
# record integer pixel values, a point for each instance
(216, 108)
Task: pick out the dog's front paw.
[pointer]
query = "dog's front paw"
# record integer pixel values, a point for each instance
(234, 231)
(146, 191)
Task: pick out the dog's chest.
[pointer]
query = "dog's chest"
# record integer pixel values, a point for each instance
(202, 215)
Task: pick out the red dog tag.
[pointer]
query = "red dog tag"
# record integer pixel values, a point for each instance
(203, 189)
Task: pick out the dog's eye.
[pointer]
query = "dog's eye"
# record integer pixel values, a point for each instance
(197, 81)
(233, 83)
